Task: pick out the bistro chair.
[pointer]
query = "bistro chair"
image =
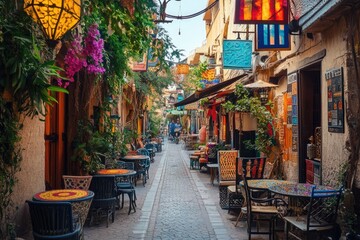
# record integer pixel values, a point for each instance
(261, 210)
(77, 182)
(53, 220)
(254, 169)
(124, 185)
(144, 151)
(103, 204)
(321, 215)
(152, 149)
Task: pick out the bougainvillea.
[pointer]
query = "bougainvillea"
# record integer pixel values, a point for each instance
(84, 54)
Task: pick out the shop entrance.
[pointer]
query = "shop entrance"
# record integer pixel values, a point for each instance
(309, 115)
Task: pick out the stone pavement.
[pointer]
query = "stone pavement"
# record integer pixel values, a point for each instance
(176, 203)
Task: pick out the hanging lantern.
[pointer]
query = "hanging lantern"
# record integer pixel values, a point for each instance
(56, 17)
(264, 95)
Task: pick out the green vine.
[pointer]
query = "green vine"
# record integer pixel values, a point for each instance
(265, 136)
(10, 158)
(25, 89)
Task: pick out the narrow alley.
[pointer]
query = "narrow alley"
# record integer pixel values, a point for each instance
(176, 203)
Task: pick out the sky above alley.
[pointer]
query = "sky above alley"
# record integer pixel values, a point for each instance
(192, 31)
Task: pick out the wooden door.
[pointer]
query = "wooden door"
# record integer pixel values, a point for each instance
(55, 143)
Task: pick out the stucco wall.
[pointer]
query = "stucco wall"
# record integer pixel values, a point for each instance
(333, 147)
(31, 178)
(333, 144)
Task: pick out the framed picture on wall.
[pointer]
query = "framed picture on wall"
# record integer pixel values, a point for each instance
(335, 100)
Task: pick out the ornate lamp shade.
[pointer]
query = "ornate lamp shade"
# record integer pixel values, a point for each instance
(55, 16)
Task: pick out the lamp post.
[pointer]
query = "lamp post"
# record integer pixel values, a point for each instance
(55, 17)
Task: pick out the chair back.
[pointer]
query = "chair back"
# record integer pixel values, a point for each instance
(323, 208)
(227, 165)
(77, 182)
(103, 187)
(120, 164)
(150, 146)
(253, 167)
(52, 220)
(143, 151)
(129, 165)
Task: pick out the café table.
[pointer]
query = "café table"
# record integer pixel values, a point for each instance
(298, 194)
(118, 173)
(264, 184)
(80, 200)
(213, 167)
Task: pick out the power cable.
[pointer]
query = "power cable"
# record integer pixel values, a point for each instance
(194, 14)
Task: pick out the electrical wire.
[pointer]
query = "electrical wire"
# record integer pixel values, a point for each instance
(194, 14)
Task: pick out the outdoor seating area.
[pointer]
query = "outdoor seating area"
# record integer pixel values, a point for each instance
(276, 208)
(90, 199)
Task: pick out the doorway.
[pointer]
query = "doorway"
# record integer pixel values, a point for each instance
(55, 143)
(309, 111)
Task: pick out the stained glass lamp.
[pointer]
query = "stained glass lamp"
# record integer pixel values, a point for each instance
(56, 17)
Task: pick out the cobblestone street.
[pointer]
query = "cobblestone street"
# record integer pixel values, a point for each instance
(176, 203)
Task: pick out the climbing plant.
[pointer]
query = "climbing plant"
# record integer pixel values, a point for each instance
(25, 89)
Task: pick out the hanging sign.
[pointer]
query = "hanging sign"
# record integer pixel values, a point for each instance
(208, 74)
(140, 65)
(260, 11)
(237, 54)
(182, 69)
(272, 37)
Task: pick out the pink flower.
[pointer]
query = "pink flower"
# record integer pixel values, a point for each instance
(87, 54)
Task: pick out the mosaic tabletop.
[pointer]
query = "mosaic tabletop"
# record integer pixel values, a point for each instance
(113, 172)
(264, 184)
(65, 195)
(297, 189)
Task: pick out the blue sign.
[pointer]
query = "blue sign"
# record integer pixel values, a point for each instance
(272, 37)
(237, 54)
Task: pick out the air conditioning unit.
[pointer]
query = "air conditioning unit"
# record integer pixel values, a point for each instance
(259, 59)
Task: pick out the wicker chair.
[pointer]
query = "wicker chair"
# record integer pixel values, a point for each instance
(77, 182)
(53, 220)
(227, 174)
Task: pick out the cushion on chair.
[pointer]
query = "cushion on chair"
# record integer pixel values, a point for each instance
(203, 160)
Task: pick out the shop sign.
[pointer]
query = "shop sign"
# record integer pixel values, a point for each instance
(260, 11)
(271, 37)
(237, 54)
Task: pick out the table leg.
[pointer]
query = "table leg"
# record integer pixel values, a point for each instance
(212, 175)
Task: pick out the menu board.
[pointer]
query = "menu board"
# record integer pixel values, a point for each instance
(335, 100)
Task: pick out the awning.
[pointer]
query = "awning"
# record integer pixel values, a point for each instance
(199, 94)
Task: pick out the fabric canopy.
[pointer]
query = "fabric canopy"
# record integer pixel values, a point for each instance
(260, 84)
(199, 94)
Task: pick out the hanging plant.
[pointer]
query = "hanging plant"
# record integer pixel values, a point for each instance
(84, 54)
(265, 136)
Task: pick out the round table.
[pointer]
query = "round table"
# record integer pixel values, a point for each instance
(116, 172)
(80, 200)
(298, 194)
(134, 157)
(297, 189)
(264, 184)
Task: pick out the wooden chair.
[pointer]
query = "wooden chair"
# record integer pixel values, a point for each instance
(53, 220)
(321, 215)
(227, 174)
(254, 169)
(261, 210)
(77, 182)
